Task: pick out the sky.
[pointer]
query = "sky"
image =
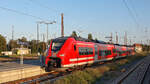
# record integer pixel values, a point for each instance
(99, 17)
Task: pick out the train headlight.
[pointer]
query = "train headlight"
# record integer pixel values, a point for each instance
(62, 55)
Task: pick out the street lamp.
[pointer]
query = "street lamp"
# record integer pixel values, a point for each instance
(43, 22)
(47, 23)
(38, 22)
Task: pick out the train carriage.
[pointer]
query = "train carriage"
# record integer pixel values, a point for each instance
(124, 51)
(131, 50)
(66, 52)
(118, 51)
(105, 52)
(84, 54)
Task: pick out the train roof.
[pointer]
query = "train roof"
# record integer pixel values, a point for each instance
(87, 40)
(80, 39)
(60, 39)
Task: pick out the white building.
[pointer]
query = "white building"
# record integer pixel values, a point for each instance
(6, 53)
(22, 51)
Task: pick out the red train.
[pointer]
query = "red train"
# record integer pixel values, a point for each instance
(68, 52)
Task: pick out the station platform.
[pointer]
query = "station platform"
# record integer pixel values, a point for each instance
(11, 71)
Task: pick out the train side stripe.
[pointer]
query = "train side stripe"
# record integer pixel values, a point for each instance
(83, 44)
(88, 62)
(75, 64)
(79, 59)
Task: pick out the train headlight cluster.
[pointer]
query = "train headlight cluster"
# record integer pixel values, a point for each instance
(61, 55)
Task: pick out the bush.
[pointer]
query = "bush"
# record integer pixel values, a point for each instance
(88, 76)
(104, 72)
(122, 62)
(78, 77)
(113, 67)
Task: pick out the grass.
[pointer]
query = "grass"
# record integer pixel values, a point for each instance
(102, 73)
(88, 76)
(28, 55)
(117, 67)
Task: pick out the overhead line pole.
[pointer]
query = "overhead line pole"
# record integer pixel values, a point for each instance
(37, 32)
(62, 25)
(110, 38)
(125, 39)
(116, 38)
(12, 32)
(47, 33)
(39, 22)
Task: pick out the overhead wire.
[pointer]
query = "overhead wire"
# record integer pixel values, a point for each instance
(131, 13)
(134, 10)
(44, 6)
(21, 13)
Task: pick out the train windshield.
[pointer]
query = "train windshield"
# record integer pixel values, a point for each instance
(57, 44)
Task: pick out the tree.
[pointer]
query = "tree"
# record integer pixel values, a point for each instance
(96, 39)
(33, 46)
(23, 39)
(3, 44)
(15, 43)
(42, 47)
(12, 44)
(90, 36)
(74, 34)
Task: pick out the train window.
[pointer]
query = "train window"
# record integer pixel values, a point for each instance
(80, 51)
(96, 52)
(100, 53)
(106, 52)
(103, 53)
(57, 44)
(91, 51)
(114, 50)
(88, 51)
(123, 52)
(109, 52)
(85, 51)
(74, 47)
(120, 52)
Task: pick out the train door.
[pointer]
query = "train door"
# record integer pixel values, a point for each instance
(76, 54)
(96, 54)
(103, 54)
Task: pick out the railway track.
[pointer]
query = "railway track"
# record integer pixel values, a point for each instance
(50, 75)
(39, 78)
(146, 75)
(137, 75)
(55, 75)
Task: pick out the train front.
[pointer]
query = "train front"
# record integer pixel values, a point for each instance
(54, 56)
